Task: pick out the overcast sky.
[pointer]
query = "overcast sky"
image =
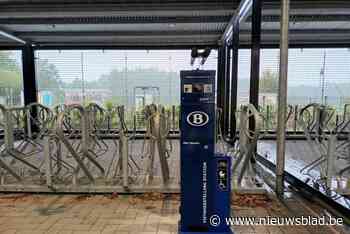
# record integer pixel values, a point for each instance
(304, 64)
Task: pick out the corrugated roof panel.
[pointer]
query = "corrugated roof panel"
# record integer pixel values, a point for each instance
(117, 27)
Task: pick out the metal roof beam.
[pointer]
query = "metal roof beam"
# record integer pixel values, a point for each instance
(103, 44)
(276, 32)
(309, 4)
(40, 5)
(11, 36)
(116, 20)
(117, 33)
(240, 15)
(306, 18)
(26, 6)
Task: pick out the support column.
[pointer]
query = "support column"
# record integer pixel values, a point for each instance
(226, 105)
(220, 86)
(234, 79)
(255, 66)
(29, 85)
(255, 56)
(29, 82)
(282, 98)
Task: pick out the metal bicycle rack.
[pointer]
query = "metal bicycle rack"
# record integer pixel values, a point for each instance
(340, 143)
(72, 148)
(126, 167)
(20, 149)
(270, 121)
(157, 131)
(343, 148)
(2, 125)
(323, 139)
(314, 119)
(246, 147)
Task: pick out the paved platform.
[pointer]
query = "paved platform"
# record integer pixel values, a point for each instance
(121, 214)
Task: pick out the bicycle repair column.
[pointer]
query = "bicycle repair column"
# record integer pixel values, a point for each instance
(205, 180)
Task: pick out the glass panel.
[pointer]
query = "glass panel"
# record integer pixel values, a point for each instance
(11, 78)
(133, 78)
(315, 75)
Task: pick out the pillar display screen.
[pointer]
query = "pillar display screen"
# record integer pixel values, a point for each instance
(198, 88)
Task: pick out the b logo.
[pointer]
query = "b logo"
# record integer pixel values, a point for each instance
(197, 118)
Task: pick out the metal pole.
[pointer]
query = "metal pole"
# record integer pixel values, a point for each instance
(255, 66)
(226, 105)
(331, 159)
(282, 98)
(241, 13)
(125, 159)
(11, 36)
(48, 164)
(323, 78)
(220, 95)
(170, 81)
(295, 119)
(82, 76)
(255, 58)
(29, 81)
(234, 79)
(30, 91)
(126, 80)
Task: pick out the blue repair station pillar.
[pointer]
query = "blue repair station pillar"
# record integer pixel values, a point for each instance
(205, 176)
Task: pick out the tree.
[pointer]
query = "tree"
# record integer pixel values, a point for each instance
(269, 82)
(123, 84)
(9, 72)
(7, 62)
(47, 77)
(77, 83)
(10, 79)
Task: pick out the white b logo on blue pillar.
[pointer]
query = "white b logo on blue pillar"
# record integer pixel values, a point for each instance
(197, 118)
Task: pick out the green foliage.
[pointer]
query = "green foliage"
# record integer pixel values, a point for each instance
(269, 82)
(109, 105)
(10, 79)
(10, 76)
(115, 100)
(116, 80)
(77, 83)
(47, 77)
(7, 63)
